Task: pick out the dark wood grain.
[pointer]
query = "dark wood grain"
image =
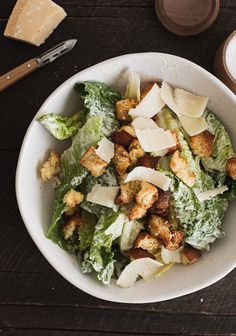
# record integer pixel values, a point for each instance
(34, 299)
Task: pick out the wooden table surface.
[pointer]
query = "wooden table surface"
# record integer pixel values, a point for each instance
(34, 299)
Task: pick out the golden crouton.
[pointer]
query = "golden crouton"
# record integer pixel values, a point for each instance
(137, 211)
(148, 161)
(202, 143)
(121, 159)
(135, 151)
(138, 253)
(190, 255)
(127, 192)
(160, 228)
(73, 198)
(71, 225)
(147, 242)
(123, 107)
(147, 195)
(181, 169)
(177, 146)
(231, 168)
(51, 167)
(129, 129)
(93, 162)
(122, 138)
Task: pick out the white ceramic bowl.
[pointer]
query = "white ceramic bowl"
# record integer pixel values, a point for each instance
(35, 199)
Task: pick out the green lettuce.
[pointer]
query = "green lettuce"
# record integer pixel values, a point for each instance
(72, 174)
(222, 147)
(99, 99)
(86, 231)
(100, 255)
(62, 127)
(200, 221)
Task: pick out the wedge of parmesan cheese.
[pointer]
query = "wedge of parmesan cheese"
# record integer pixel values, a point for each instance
(183, 102)
(32, 21)
(144, 267)
(141, 123)
(169, 256)
(205, 195)
(105, 150)
(167, 95)
(190, 104)
(161, 153)
(150, 105)
(116, 228)
(193, 126)
(155, 139)
(103, 195)
(159, 179)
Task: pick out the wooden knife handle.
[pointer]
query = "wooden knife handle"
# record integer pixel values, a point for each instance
(16, 74)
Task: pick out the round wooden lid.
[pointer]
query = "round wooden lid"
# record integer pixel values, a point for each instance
(187, 17)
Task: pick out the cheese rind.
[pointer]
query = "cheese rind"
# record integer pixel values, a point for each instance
(32, 21)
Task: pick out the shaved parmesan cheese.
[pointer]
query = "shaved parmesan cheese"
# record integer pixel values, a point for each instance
(116, 228)
(161, 153)
(103, 195)
(190, 104)
(183, 102)
(150, 175)
(155, 139)
(144, 267)
(205, 195)
(193, 126)
(167, 94)
(133, 87)
(105, 150)
(141, 123)
(150, 105)
(171, 256)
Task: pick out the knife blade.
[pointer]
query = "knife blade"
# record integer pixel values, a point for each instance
(33, 64)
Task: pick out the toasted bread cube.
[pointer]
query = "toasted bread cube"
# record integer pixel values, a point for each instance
(121, 159)
(71, 225)
(181, 169)
(138, 253)
(129, 129)
(73, 198)
(122, 138)
(91, 161)
(147, 195)
(127, 192)
(137, 211)
(175, 242)
(148, 161)
(135, 151)
(190, 255)
(231, 168)
(50, 167)
(147, 242)
(202, 143)
(123, 107)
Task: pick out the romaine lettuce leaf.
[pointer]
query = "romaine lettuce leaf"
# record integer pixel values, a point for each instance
(62, 127)
(222, 147)
(72, 174)
(133, 87)
(108, 228)
(99, 99)
(200, 221)
(86, 231)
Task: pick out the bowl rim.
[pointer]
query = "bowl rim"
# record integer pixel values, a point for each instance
(27, 224)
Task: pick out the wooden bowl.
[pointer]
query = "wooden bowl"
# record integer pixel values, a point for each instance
(220, 64)
(187, 17)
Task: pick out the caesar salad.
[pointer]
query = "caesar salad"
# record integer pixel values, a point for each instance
(145, 183)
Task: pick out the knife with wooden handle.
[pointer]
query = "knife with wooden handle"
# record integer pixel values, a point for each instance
(33, 64)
